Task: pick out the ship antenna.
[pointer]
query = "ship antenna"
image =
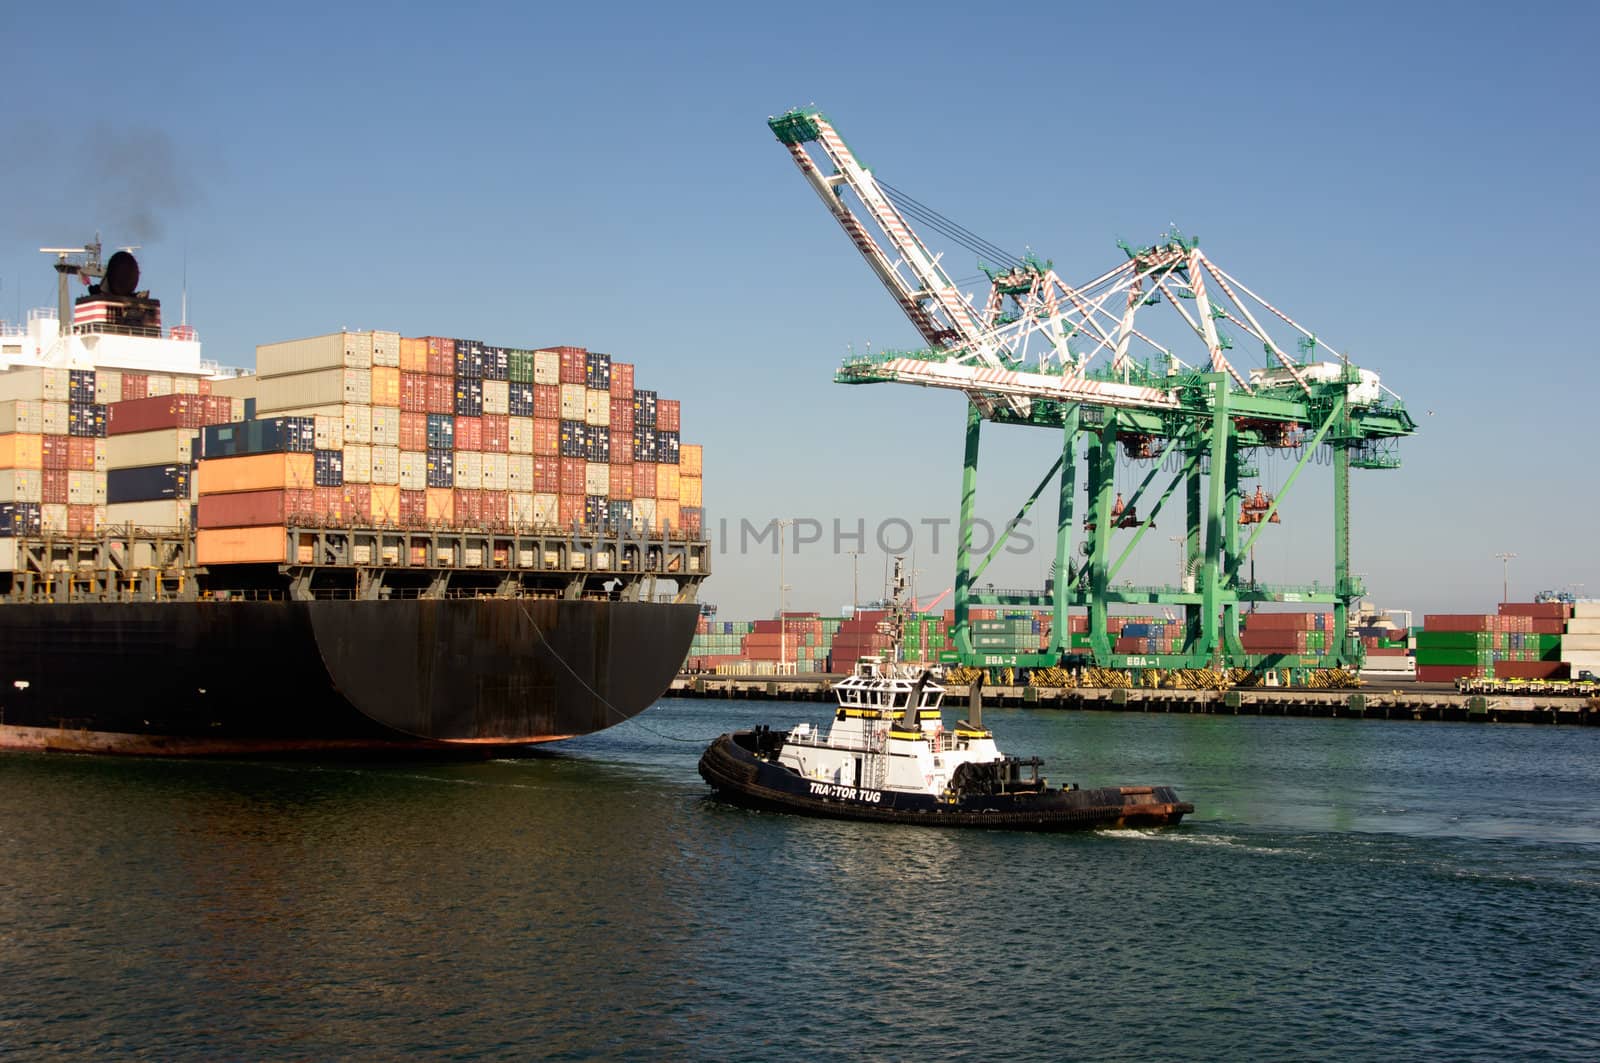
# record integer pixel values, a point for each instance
(185, 320)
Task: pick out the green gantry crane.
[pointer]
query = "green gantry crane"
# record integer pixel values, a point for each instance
(1084, 361)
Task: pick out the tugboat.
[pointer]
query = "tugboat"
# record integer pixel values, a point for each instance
(889, 758)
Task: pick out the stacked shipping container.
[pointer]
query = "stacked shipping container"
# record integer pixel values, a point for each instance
(84, 448)
(1523, 640)
(442, 432)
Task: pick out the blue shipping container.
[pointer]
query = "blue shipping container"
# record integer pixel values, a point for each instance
(329, 470)
(441, 468)
(147, 483)
(441, 431)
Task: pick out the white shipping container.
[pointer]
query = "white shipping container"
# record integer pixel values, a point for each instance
(325, 387)
(596, 478)
(8, 555)
(1581, 660)
(546, 367)
(413, 470)
(495, 472)
(185, 385)
(158, 384)
(357, 424)
(163, 446)
(1582, 625)
(55, 418)
(644, 514)
(244, 386)
(163, 513)
(386, 348)
(385, 426)
(597, 410)
(21, 485)
(574, 402)
(546, 510)
(53, 517)
(1586, 610)
(519, 472)
(520, 508)
(107, 385)
(385, 465)
(102, 452)
(1580, 643)
(32, 382)
(336, 350)
(23, 415)
(496, 396)
(519, 435)
(357, 463)
(469, 470)
(86, 488)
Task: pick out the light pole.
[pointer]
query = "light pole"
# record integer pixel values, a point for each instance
(783, 628)
(855, 580)
(1505, 573)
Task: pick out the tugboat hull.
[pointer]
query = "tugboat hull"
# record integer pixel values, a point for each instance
(739, 775)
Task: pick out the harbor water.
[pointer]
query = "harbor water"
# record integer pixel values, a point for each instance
(1345, 889)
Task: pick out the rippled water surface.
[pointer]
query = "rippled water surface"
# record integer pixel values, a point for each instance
(1346, 889)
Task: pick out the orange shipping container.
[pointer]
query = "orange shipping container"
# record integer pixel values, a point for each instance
(224, 546)
(690, 456)
(667, 482)
(21, 451)
(386, 503)
(413, 355)
(667, 515)
(441, 505)
(385, 385)
(256, 472)
(689, 492)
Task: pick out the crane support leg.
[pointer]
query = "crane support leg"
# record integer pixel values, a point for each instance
(1060, 639)
(969, 490)
(1211, 569)
(1102, 483)
(1341, 549)
(1194, 515)
(1230, 552)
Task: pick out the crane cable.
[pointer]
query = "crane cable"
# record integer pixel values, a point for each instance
(968, 239)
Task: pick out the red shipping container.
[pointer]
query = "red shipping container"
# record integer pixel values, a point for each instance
(622, 384)
(53, 485)
(1539, 610)
(547, 401)
(496, 507)
(496, 433)
(162, 411)
(328, 503)
(204, 385)
(300, 503)
(574, 365)
(56, 452)
(1530, 669)
(414, 431)
(547, 475)
(621, 481)
(414, 392)
(644, 479)
(218, 408)
(1443, 673)
(1458, 622)
(468, 506)
(250, 509)
(570, 509)
(667, 415)
(441, 361)
(414, 508)
(1540, 626)
(80, 453)
(80, 520)
(135, 385)
(546, 437)
(357, 502)
(442, 392)
(621, 445)
(469, 433)
(572, 476)
(622, 415)
(691, 519)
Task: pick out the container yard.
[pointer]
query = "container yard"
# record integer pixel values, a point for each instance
(373, 542)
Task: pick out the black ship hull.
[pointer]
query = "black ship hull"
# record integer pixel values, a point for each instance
(455, 676)
(739, 774)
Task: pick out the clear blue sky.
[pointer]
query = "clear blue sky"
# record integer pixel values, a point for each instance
(1416, 183)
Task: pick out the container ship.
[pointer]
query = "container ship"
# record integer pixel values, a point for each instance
(371, 544)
